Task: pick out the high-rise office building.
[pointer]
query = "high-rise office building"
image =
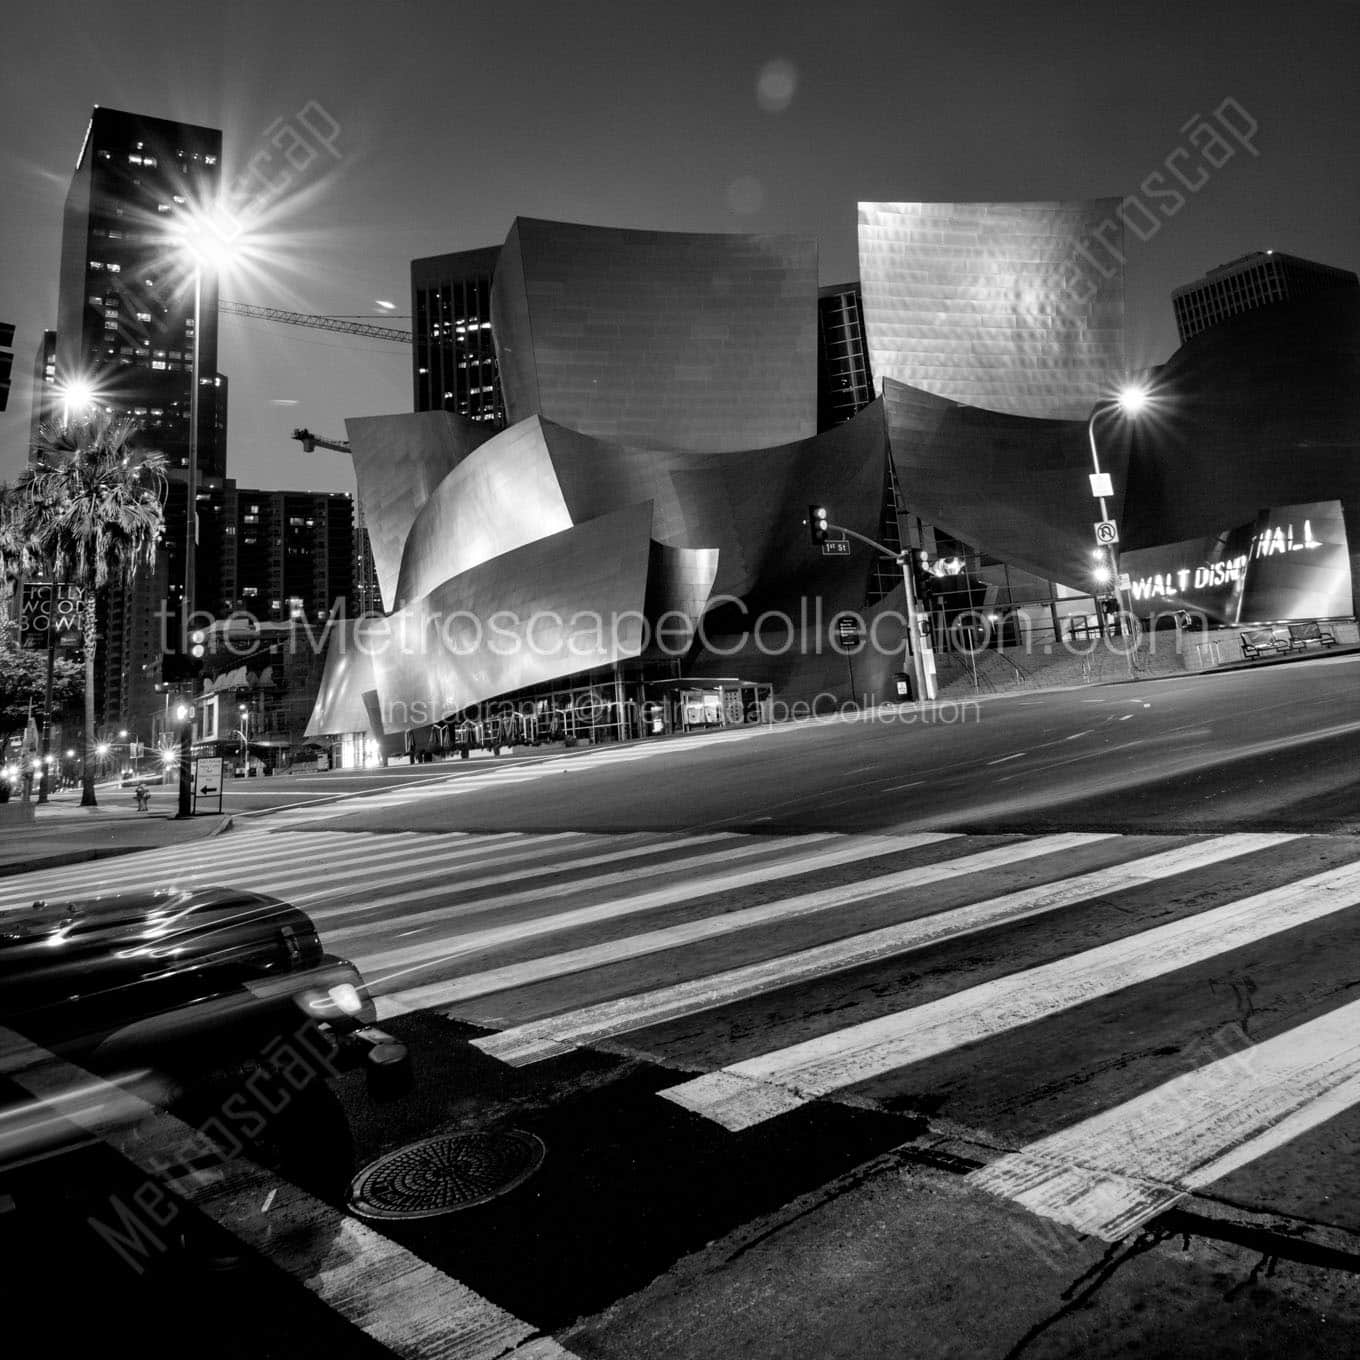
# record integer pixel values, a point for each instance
(126, 330)
(1250, 282)
(453, 357)
(125, 323)
(46, 401)
(287, 555)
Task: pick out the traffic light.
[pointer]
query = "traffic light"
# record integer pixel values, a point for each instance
(923, 579)
(819, 523)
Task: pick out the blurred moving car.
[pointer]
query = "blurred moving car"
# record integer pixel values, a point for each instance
(218, 1005)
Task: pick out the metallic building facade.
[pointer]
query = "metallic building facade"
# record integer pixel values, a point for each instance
(1013, 486)
(1011, 307)
(396, 469)
(664, 339)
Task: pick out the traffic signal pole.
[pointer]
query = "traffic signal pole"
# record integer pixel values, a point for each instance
(918, 644)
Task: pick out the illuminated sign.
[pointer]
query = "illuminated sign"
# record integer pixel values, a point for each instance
(1292, 562)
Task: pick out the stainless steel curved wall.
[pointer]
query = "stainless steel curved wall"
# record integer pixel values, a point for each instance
(1013, 307)
(500, 497)
(398, 462)
(670, 339)
(566, 603)
(1013, 487)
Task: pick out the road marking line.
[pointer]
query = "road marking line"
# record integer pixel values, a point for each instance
(545, 894)
(389, 1293)
(858, 1053)
(747, 918)
(1110, 1174)
(1004, 759)
(405, 961)
(893, 788)
(539, 1039)
(50, 883)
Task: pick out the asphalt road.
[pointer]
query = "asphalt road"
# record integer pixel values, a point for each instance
(1274, 747)
(800, 1089)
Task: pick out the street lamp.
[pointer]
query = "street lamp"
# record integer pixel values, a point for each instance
(1131, 399)
(207, 243)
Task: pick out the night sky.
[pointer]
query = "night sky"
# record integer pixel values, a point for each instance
(455, 117)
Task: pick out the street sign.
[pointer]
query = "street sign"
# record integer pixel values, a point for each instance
(205, 782)
(39, 612)
(208, 780)
(848, 633)
(1107, 532)
(836, 547)
(1123, 583)
(1101, 485)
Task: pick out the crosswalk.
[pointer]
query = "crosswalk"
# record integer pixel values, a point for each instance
(495, 774)
(1051, 991)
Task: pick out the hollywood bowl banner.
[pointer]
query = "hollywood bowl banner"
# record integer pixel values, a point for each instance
(1291, 562)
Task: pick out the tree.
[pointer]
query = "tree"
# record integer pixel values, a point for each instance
(23, 682)
(94, 509)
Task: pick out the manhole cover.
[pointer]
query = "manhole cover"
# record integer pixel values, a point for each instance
(442, 1175)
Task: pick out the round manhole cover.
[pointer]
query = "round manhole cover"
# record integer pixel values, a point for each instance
(442, 1175)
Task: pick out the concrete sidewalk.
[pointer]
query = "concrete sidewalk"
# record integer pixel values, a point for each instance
(63, 832)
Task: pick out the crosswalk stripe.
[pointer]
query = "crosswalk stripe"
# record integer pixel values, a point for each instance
(409, 1306)
(1110, 1174)
(20, 889)
(547, 894)
(563, 887)
(710, 927)
(540, 1039)
(736, 1096)
(366, 856)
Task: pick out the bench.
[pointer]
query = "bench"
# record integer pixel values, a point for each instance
(1305, 635)
(1264, 642)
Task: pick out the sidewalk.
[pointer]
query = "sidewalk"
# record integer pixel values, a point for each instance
(63, 832)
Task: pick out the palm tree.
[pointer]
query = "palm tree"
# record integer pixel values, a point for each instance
(94, 509)
(18, 556)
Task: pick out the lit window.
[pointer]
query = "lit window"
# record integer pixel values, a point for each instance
(115, 269)
(143, 316)
(158, 363)
(209, 160)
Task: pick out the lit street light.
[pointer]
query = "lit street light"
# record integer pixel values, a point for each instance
(1131, 399)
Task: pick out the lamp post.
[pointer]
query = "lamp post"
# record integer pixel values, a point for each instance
(1131, 400)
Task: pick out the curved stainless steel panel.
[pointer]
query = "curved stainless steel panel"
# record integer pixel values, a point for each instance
(671, 339)
(500, 497)
(398, 462)
(1013, 307)
(1013, 487)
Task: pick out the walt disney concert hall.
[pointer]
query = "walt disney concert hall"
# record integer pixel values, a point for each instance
(595, 521)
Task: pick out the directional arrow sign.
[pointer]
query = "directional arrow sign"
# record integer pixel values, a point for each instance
(1107, 532)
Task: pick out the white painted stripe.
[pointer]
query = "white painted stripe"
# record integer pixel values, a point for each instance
(541, 1039)
(551, 892)
(712, 927)
(858, 1053)
(417, 858)
(20, 889)
(1110, 1174)
(390, 1294)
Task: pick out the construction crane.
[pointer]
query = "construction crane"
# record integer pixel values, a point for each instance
(370, 601)
(321, 323)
